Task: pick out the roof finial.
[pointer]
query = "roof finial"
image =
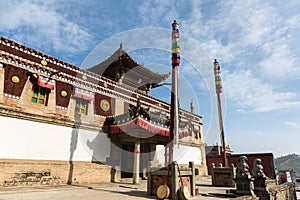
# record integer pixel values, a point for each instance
(121, 45)
(216, 62)
(192, 106)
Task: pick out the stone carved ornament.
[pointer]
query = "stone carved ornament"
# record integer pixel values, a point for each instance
(257, 170)
(242, 170)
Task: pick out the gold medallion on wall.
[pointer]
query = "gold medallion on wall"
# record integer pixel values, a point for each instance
(15, 79)
(44, 62)
(104, 105)
(63, 93)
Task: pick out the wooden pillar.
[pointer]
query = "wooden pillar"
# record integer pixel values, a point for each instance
(136, 162)
(153, 154)
(174, 113)
(203, 155)
(114, 159)
(225, 161)
(174, 180)
(219, 91)
(193, 178)
(1, 82)
(149, 179)
(167, 155)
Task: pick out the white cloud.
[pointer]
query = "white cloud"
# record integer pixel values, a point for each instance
(217, 50)
(253, 31)
(243, 34)
(293, 22)
(279, 63)
(247, 22)
(252, 94)
(156, 11)
(292, 124)
(39, 24)
(240, 110)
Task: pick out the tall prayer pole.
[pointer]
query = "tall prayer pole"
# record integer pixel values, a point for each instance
(218, 82)
(174, 93)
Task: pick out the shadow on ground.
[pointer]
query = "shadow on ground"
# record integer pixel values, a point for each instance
(133, 190)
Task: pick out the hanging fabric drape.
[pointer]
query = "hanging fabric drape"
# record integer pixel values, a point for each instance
(84, 94)
(45, 82)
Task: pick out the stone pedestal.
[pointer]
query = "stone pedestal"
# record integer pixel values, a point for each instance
(222, 176)
(261, 190)
(259, 184)
(115, 174)
(244, 186)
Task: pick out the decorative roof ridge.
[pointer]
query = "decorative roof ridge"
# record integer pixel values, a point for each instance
(164, 76)
(38, 53)
(104, 64)
(117, 54)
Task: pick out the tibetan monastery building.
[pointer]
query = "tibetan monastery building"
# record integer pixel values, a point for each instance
(63, 124)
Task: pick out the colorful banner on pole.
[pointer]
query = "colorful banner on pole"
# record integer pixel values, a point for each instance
(175, 44)
(218, 80)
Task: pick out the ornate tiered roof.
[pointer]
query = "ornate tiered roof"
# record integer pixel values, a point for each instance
(120, 67)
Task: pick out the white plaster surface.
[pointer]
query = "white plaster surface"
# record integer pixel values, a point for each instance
(23, 139)
(182, 154)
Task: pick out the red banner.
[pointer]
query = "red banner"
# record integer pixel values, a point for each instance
(139, 122)
(45, 82)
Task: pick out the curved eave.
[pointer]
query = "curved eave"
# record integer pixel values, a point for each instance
(132, 70)
(138, 122)
(101, 67)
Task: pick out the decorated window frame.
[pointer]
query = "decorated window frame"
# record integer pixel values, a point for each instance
(81, 106)
(39, 95)
(82, 100)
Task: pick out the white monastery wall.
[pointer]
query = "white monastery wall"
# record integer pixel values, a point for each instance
(182, 154)
(23, 139)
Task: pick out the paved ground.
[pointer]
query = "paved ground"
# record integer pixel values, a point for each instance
(111, 191)
(101, 191)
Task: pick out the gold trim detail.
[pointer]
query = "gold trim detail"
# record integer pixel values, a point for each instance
(15, 79)
(104, 105)
(63, 93)
(44, 62)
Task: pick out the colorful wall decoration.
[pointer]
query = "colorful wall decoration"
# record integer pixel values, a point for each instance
(15, 79)
(104, 105)
(63, 94)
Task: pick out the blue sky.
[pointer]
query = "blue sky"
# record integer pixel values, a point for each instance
(256, 42)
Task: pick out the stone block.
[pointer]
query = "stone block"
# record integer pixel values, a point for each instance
(24, 172)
